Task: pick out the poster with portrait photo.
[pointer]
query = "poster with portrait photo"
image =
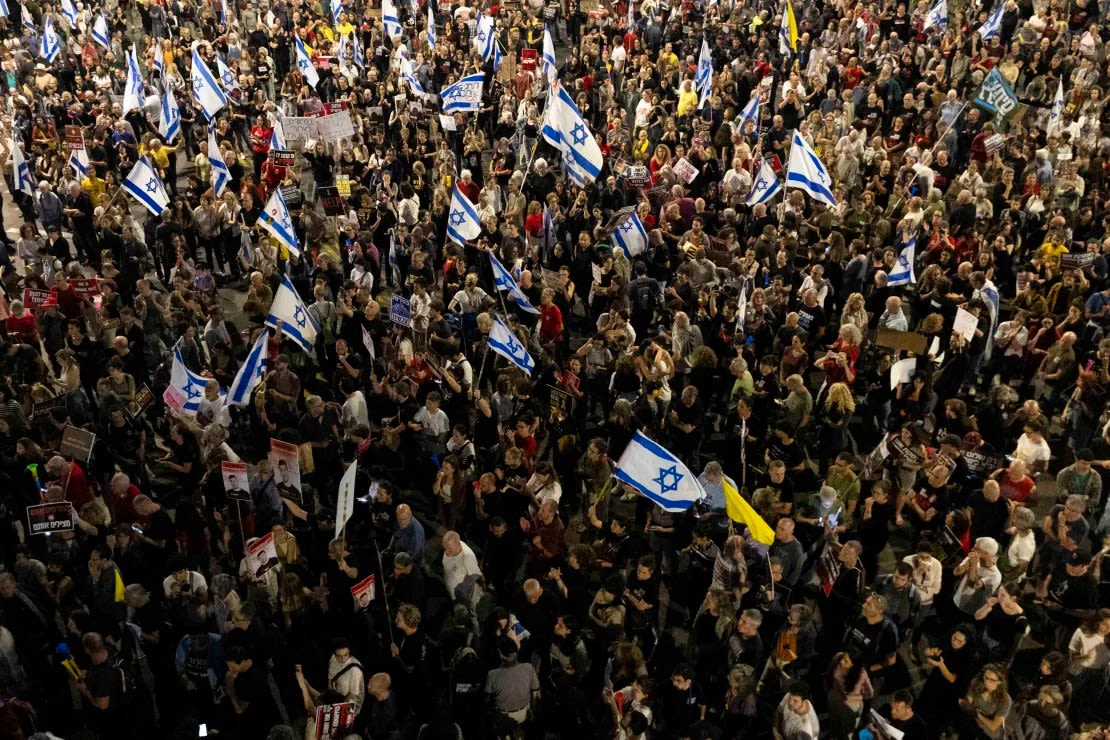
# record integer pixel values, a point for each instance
(261, 556)
(236, 482)
(287, 469)
(363, 592)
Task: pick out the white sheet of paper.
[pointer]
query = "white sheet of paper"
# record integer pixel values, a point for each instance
(934, 348)
(447, 123)
(902, 371)
(965, 324)
(596, 270)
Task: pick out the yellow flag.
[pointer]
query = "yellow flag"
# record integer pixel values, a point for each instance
(741, 512)
(121, 590)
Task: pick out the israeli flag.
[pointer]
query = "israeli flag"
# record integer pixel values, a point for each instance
(808, 173)
(70, 13)
(21, 172)
(464, 95)
(224, 14)
(390, 20)
(250, 374)
(343, 50)
(742, 309)
(221, 174)
(275, 219)
(134, 94)
(504, 281)
(28, 20)
(750, 112)
(169, 119)
(788, 31)
(462, 221)
(297, 322)
(902, 273)
(703, 77)
(206, 91)
(937, 17)
(631, 236)
(765, 187)
(159, 61)
(652, 470)
(409, 76)
(188, 384)
(50, 45)
(79, 161)
(305, 65)
(993, 24)
(505, 343)
(431, 27)
(277, 132)
(1055, 116)
(550, 67)
(358, 55)
(144, 185)
(566, 130)
(100, 32)
(4, 12)
(228, 81)
(485, 37)
(336, 12)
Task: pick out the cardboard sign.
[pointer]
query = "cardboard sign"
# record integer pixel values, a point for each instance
(980, 464)
(685, 171)
(75, 138)
(298, 128)
(558, 404)
(363, 592)
(77, 443)
(235, 480)
(286, 461)
(1076, 260)
(333, 720)
(35, 297)
(140, 403)
(335, 127)
(828, 569)
(85, 287)
(330, 199)
(902, 340)
(261, 556)
(551, 278)
(282, 158)
(50, 518)
(400, 310)
(343, 185)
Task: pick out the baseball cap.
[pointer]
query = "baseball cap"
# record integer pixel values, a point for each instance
(952, 440)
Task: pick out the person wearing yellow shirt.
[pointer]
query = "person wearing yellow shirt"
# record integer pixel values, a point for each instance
(668, 60)
(94, 186)
(165, 159)
(1052, 250)
(687, 99)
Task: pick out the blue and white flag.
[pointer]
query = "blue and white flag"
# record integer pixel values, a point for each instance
(336, 12)
(79, 161)
(765, 186)
(656, 473)
(277, 132)
(4, 12)
(503, 279)
(221, 174)
(187, 384)
(409, 76)
(305, 65)
(807, 172)
(159, 61)
(297, 321)
(169, 118)
(21, 171)
(508, 345)
(937, 17)
(750, 112)
(1056, 115)
(225, 15)
(464, 95)
(703, 77)
(100, 32)
(550, 66)
(742, 309)
(250, 374)
(902, 272)
(343, 49)
(144, 185)
(357, 54)
(566, 130)
(228, 81)
(49, 45)
(69, 12)
(993, 24)
(134, 93)
(391, 21)
(485, 37)
(206, 91)
(463, 224)
(28, 19)
(631, 236)
(275, 219)
(431, 26)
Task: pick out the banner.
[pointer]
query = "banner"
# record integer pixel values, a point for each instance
(363, 592)
(995, 95)
(36, 298)
(400, 310)
(980, 464)
(85, 287)
(262, 555)
(334, 127)
(50, 518)
(75, 138)
(77, 443)
(235, 480)
(332, 202)
(298, 128)
(333, 720)
(285, 459)
(1076, 260)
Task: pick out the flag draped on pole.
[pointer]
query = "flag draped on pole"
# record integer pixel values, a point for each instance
(49, 45)
(937, 16)
(277, 132)
(144, 185)
(69, 12)
(390, 20)
(485, 37)
(656, 473)
(79, 161)
(221, 173)
(305, 65)
(134, 93)
(431, 34)
(21, 171)
(807, 172)
(228, 81)
(703, 77)
(4, 11)
(463, 224)
(750, 112)
(250, 374)
(206, 91)
(336, 12)
(741, 512)
(464, 95)
(189, 386)
(100, 32)
(902, 272)
(631, 236)
(357, 55)
(788, 31)
(765, 186)
(503, 279)
(996, 95)
(345, 499)
(275, 219)
(169, 116)
(1055, 116)
(550, 67)
(993, 24)
(505, 343)
(296, 321)
(409, 75)
(566, 130)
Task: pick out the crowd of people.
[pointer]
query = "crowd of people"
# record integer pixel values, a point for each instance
(905, 380)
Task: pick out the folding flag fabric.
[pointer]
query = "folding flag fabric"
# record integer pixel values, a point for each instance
(297, 322)
(144, 185)
(807, 172)
(656, 473)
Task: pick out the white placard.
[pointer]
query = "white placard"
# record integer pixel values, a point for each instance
(902, 371)
(447, 123)
(965, 325)
(685, 171)
(299, 128)
(336, 126)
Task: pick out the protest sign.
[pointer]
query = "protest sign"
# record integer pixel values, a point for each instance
(282, 157)
(334, 720)
(50, 518)
(1076, 260)
(262, 555)
(685, 171)
(343, 185)
(235, 480)
(77, 443)
(363, 592)
(35, 297)
(330, 199)
(75, 138)
(828, 569)
(285, 459)
(140, 403)
(335, 127)
(85, 287)
(965, 324)
(400, 310)
(298, 128)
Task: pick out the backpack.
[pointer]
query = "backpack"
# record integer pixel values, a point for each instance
(646, 297)
(126, 661)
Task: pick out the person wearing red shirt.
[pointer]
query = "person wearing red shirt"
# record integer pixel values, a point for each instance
(72, 480)
(21, 325)
(261, 132)
(1015, 484)
(551, 318)
(121, 499)
(65, 297)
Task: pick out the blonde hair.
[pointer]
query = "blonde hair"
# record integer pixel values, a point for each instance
(840, 395)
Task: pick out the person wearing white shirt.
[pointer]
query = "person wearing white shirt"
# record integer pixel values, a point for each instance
(1033, 449)
(979, 576)
(355, 412)
(460, 569)
(893, 317)
(1087, 646)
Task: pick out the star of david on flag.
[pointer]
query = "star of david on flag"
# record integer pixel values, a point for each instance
(297, 322)
(631, 236)
(566, 130)
(658, 475)
(250, 374)
(188, 384)
(144, 185)
(463, 224)
(766, 185)
(276, 220)
(505, 343)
